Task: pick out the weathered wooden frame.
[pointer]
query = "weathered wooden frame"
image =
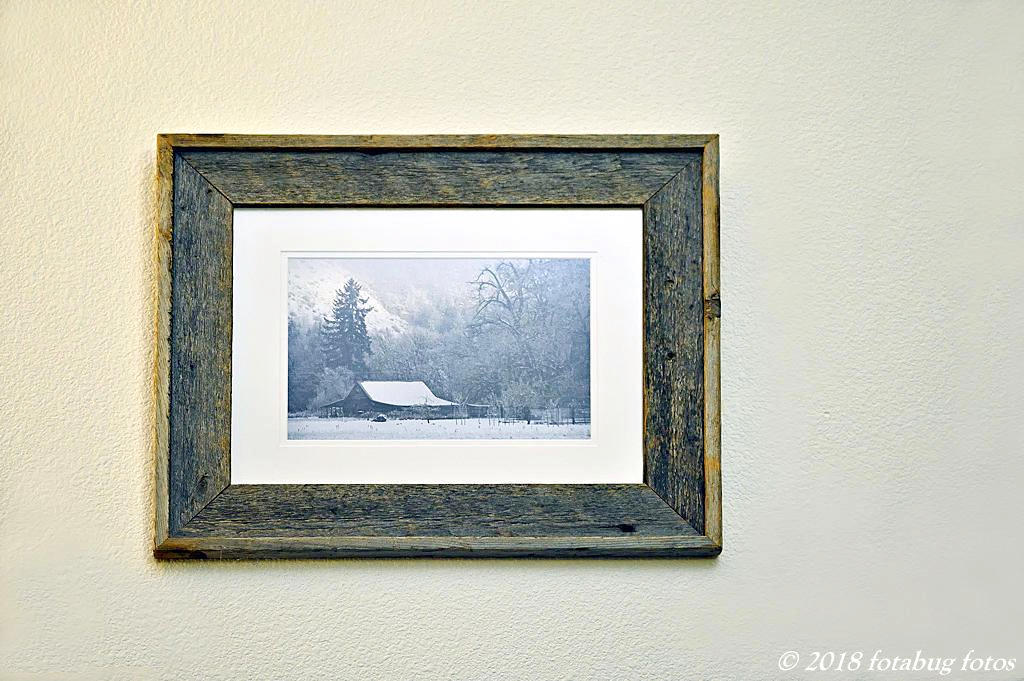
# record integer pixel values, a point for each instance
(675, 512)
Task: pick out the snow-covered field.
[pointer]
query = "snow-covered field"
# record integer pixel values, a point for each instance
(445, 429)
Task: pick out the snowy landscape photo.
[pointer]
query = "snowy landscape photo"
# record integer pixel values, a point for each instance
(438, 348)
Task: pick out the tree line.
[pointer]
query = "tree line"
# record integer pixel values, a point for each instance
(519, 337)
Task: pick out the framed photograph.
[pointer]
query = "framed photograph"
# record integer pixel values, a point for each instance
(438, 346)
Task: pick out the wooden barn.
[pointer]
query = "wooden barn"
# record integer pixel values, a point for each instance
(385, 397)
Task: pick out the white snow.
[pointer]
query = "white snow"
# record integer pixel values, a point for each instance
(403, 393)
(443, 429)
(312, 285)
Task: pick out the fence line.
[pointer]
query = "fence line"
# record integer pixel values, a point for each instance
(494, 414)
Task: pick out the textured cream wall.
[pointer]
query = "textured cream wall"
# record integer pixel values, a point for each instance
(872, 277)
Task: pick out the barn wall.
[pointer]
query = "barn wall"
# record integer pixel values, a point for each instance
(357, 401)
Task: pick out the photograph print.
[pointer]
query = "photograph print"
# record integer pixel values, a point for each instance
(438, 348)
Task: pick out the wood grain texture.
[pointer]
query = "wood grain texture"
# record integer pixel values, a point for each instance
(253, 521)
(199, 447)
(437, 510)
(162, 332)
(622, 546)
(437, 142)
(674, 177)
(439, 178)
(712, 345)
(674, 346)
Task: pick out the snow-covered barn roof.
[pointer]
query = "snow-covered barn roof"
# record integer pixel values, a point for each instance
(402, 393)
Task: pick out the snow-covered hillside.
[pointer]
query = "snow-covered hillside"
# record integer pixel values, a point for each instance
(312, 285)
(398, 289)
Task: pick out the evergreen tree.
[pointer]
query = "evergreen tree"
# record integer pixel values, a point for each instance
(304, 365)
(297, 382)
(346, 343)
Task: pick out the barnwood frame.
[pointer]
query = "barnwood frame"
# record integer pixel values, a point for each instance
(676, 511)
